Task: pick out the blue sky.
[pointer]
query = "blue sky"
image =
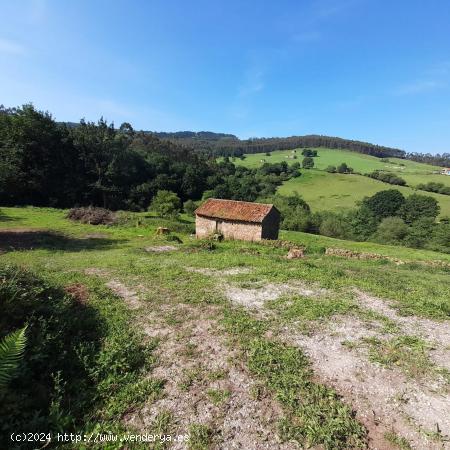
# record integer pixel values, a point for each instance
(372, 70)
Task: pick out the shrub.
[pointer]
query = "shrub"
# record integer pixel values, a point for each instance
(439, 188)
(440, 239)
(309, 152)
(334, 225)
(308, 162)
(363, 222)
(92, 215)
(391, 230)
(331, 169)
(418, 206)
(166, 204)
(385, 203)
(343, 168)
(387, 177)
(189, 207)
(80, 356)
(420, 232)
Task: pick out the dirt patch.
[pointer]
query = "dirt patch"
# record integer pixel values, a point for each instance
(130, 296)
(78, 291)
(435, 332)
(219, 272)
(97, 272)
(384, 399)
(194, 359)
(160, 248)
(255, 298)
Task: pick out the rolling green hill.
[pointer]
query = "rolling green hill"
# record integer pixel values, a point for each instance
(327, 191)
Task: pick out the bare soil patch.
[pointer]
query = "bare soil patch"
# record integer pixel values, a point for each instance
(78, 291)
(255, 298)
(384, 399)
(435, 332)
(160, 248)
(130, 296)
(220, 272)
(194, 359)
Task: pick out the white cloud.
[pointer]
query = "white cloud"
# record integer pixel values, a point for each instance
(253, 83)
(11, 47)
(419, 87)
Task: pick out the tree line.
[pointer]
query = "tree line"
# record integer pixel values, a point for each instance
(229, 145)
(46, 163)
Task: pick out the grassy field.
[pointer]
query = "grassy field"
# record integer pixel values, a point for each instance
(324, 191)
(237, 332)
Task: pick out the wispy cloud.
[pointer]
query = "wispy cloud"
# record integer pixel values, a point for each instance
(419, 87)
(253, 83)
(11, 47)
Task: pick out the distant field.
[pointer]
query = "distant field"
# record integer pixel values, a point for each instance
(324, 191)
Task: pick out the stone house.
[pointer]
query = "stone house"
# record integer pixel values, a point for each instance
(237, 220)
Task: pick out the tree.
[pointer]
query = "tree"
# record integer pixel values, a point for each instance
(308, 162)
(343, 168)
(363, 222)
(166, 204)
(334, 225)
(418, 206)
(385, 203)
(440, 240)
(189, 206)
(309, 152)
(420, 232)
(331, 169)
(391, 230)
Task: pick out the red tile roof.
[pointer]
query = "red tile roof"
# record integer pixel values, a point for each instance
(234, 210)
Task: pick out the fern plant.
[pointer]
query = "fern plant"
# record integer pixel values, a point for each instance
(12, 347)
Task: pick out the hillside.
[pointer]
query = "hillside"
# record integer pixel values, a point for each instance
(326, 191)
(224, 343)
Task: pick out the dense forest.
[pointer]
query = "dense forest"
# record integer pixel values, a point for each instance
(45, 163)
(220, 144)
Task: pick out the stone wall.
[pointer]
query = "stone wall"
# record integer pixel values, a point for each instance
(205, 227)
(240, 230)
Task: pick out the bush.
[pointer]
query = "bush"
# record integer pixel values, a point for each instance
(309, 152)
(439, 188)
(440, 239)
(334, 225)
(166, 204)
(363, 222)
(391, 230)
(385, 203)
(92, 215)
(308, 162)
(189, 207)
(420, 232)
(387, 177)
(418, 206)
(80, 356)
(343, 168)
(331, 169)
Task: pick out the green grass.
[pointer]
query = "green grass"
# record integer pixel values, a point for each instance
(313, 413)
(325, 191)
(218, 396)
(200, 437)
(409, 353)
